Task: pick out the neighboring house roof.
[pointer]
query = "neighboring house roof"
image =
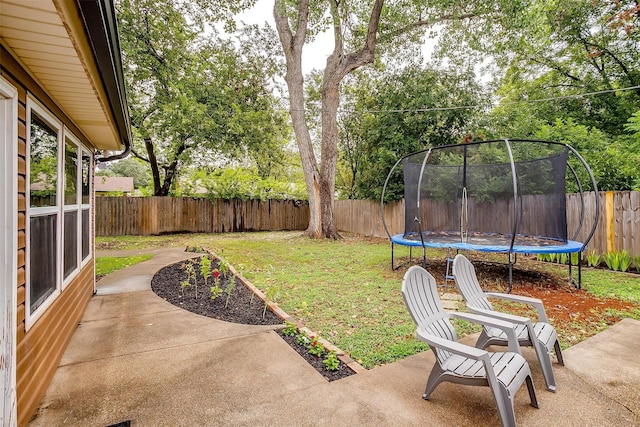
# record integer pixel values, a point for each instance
(71, 49)
(114, 183)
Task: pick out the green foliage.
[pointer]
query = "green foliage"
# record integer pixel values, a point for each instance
(216, 291)
(109, 264)
(331, 361)
(618, 260)
(195, 97)
(594, 259)
(205, 268)
(191, 276)
(378, 132)
(315, 347)
(290, 329)
(303, 339)
(242, 183)
(613, 163)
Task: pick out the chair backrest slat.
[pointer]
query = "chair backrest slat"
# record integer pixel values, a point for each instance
(420, 294)
(467, 282)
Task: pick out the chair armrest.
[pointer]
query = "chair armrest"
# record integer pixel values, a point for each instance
(506, 317)
(451, 346)
(542, 315)
(495, 322)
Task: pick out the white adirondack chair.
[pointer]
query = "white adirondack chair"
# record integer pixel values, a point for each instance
(504, 373)
(540, 335)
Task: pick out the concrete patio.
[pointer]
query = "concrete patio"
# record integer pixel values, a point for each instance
(136, 357)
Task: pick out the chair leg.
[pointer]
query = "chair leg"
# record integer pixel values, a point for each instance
(556, 347)
(544, 357)
(483, 340)
(532, 392)
(506, 409)
(435, 378)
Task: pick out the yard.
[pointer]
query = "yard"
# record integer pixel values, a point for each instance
(346, 291)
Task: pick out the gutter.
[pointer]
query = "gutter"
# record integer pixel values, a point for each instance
(100, 24)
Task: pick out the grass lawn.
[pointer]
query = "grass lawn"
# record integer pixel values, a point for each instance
(343, 290)
(109, 264)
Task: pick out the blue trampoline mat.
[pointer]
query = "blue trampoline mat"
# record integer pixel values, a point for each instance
(489, 243)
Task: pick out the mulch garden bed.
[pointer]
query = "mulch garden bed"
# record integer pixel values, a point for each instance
(235, 303)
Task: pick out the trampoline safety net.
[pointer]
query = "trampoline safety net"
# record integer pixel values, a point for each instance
(493, 193)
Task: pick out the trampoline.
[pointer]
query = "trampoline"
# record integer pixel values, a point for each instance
(500, 196)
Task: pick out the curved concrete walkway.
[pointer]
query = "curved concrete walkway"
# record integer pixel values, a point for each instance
(136, 357)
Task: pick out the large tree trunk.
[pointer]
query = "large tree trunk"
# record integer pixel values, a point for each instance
(153, 162)
(292, 45)
(329, 157)
(320, 184)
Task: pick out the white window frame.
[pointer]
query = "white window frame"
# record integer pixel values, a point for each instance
(86, 206)
(77, 206)
(55, 124)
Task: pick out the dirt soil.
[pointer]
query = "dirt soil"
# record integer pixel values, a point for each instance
(243, 306)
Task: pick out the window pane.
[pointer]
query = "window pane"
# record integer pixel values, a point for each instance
(70, 242)
(42, 256)
(43, 163)
(86, 179)
(70, 174)
(86, 219)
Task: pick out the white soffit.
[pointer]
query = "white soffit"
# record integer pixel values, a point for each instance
(36, 34)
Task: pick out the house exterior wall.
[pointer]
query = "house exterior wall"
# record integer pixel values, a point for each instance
(40, 346)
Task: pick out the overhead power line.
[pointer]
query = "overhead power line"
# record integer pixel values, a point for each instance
(478, 106)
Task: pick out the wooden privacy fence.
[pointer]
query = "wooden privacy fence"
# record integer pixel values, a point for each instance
(618, 228)
(140, 216)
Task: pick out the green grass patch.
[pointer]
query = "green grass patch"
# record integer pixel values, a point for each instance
(606, 283)
(109, 264)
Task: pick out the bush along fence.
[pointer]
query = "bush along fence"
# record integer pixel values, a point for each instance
(143, 216)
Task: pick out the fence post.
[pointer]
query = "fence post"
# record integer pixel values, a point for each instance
(610, 221)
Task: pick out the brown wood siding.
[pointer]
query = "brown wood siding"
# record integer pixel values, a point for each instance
(40, 349)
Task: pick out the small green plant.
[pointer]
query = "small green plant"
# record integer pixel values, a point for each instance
(541, 257)
(303, 339)
(205, 268)
(191, 276)
(183, 285)
(290, 329)
(618, 261)
(562, 258)
(216, 291)
(231, 284)
(625, 261)
(594, 259)
(315, 348)
(636, 261)
(331, 361)
(575, 258)
(270, 295)
(611, 259)
(223, 266)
